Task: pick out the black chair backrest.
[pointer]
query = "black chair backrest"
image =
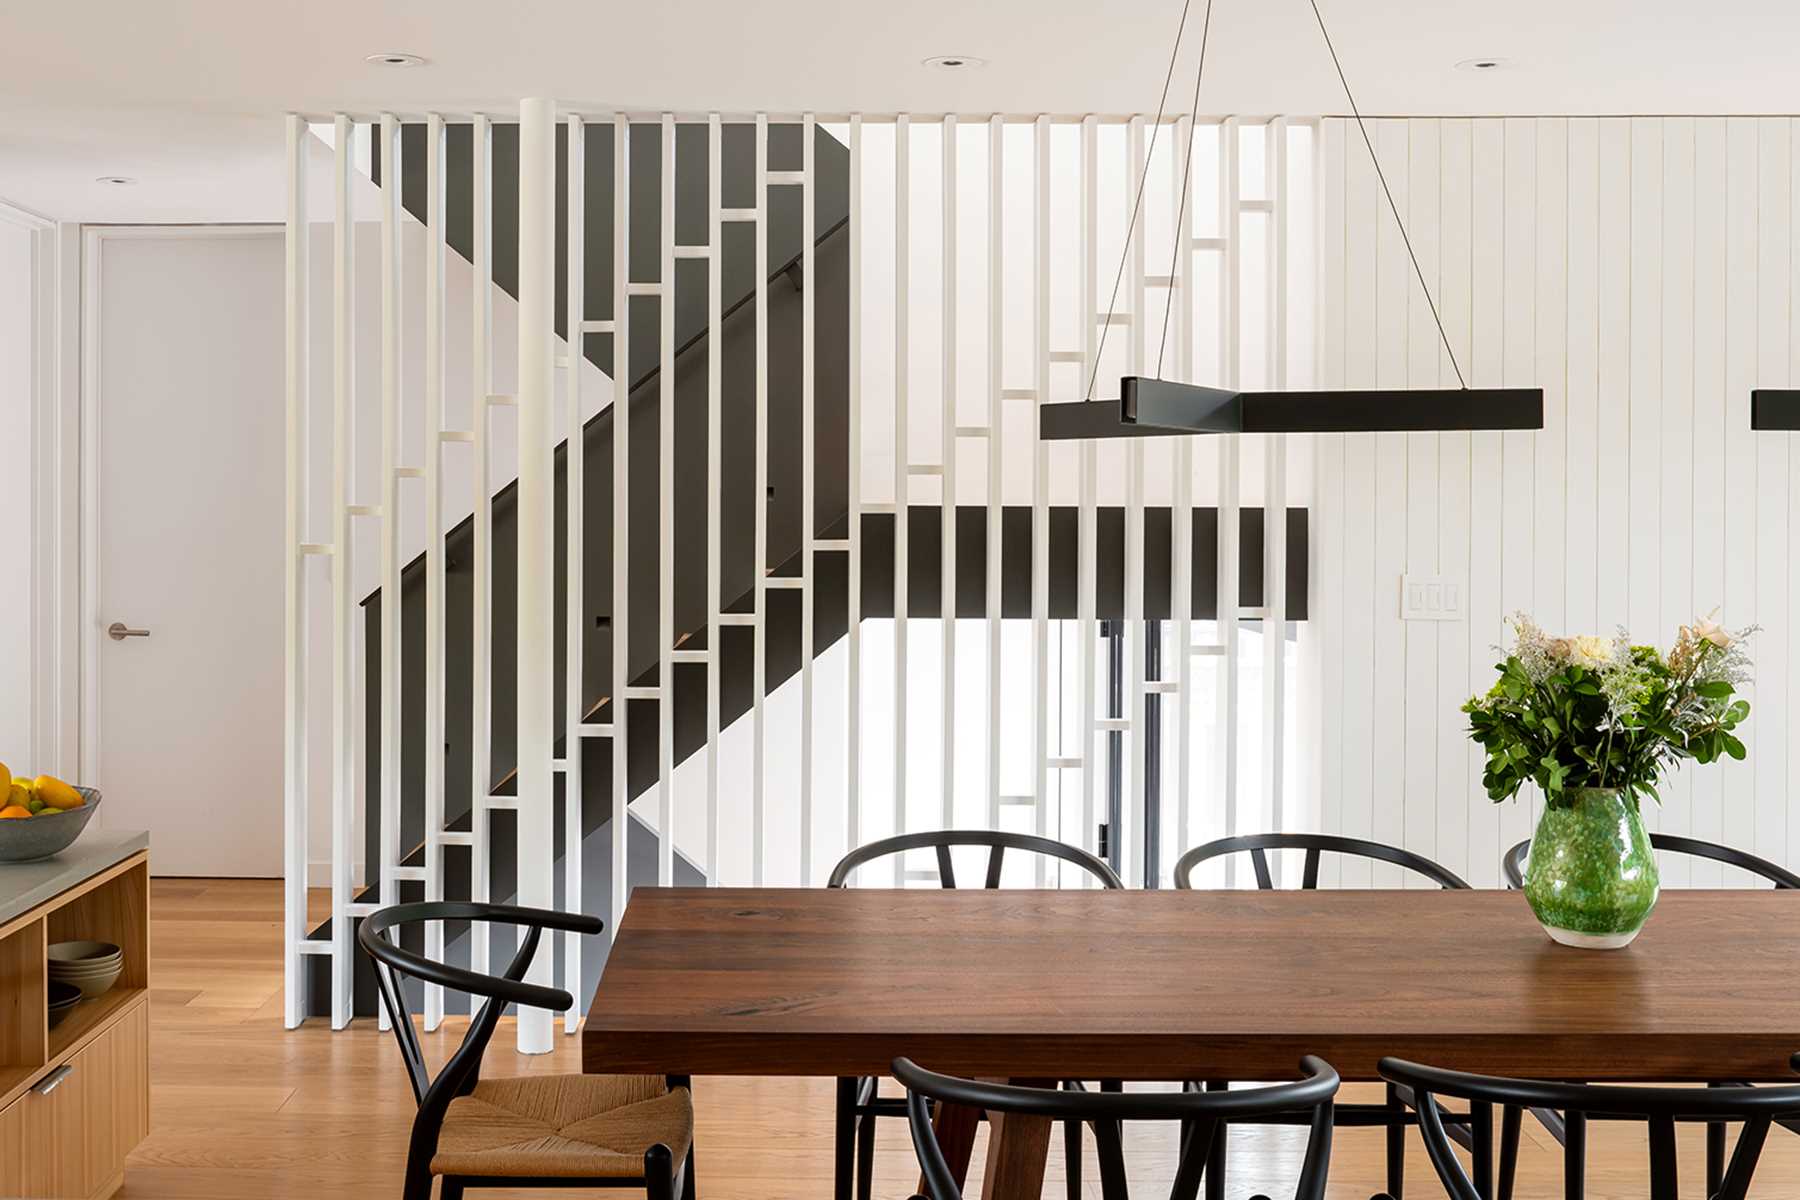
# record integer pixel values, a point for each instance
(1257, 845)
(462, 1071)
(1198, 1112)
(1513, 863)
(944, 840)
(1659, 1107)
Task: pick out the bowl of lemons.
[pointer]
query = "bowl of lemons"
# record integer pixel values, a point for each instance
(41, 817)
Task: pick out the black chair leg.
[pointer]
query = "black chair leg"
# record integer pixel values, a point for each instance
(1215, 1162)
(1715, 1155)
(1072, 1158)
(418, 1178)
(844, 1137)
(1396, 1143)
(865, 1150)
(451, 1188)
(1510, 1120)
(1481, 1125)
(687, 1175)
(659, 1173)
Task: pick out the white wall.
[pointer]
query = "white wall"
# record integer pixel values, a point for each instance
(17, 332)
(1641, 271)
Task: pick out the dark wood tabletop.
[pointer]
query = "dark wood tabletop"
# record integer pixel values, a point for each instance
(1188, 985)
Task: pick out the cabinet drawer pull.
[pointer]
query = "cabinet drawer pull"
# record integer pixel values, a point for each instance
(53, 1080)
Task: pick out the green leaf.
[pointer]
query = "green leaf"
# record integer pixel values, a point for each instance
(1718, 689)
(1734, 748)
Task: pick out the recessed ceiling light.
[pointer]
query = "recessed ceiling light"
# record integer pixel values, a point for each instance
(116, 180)
(1483, 64)
(955, 62)
(394, 58)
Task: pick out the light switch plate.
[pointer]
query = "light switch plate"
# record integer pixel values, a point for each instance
(1430, 598)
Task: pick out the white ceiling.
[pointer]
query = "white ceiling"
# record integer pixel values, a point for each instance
(184, 95)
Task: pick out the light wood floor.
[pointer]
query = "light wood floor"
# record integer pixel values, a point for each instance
(241, 1108)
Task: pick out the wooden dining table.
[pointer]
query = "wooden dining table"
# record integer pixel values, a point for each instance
(1169, 985)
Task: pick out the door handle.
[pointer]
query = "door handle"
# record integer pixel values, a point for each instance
(53, 1080)
(118, 631)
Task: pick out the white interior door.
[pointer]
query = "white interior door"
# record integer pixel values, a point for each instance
(187, 461)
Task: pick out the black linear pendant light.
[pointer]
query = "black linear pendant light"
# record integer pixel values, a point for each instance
(1774, 408)
(1151, 406)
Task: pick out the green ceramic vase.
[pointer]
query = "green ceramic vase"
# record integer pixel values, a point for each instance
(1592, 877)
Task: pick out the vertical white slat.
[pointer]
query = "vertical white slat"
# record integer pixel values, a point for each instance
(996, 375)
(1742, 329)
(1770, 702)
(390, 519)
(1361, 214)
(1085, 605)
(665, 508)
(294, 797)
(343, 467)
(1181, 519)
(1679, 448)
(434, 550)
(902, 350)
(1394, 286)
(537, 533)
(621, 509)
(574, 555)
(1550, 358)
(1131, 823)
(1040, 487)
(1459, 789)
(1328, 593)
(947, 507)
(761, 498)
(853, 494)
(1708, 435)
(481, 600)
(1230, 457)
(715, 633)
(1275, 698)
(809, 520)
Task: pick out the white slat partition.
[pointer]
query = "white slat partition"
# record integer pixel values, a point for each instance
(1274, 621)
(575, 552)
(947, 506)
(665, 554)
(1040, 489)
(714, 508)
(1181, 521)
(294, 642)
(1086, 607)
(481, 345)
(808, 518)
(995, 426)
(1230, 457)
(434, 550)
(853, 508)
(343, 467)
(391, 658)
(621, 547)
(760, 644)
(902, 454)
(1130, 831)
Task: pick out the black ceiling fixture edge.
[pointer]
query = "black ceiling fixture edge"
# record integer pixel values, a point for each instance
(1775, 408)
(1159, 407)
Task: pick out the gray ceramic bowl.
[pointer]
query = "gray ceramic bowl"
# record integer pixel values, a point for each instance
(29, 839)
(63, 997)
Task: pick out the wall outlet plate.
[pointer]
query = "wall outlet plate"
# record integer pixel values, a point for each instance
(1430, 598)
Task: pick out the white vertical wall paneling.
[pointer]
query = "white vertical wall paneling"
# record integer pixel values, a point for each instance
(853, 495)
(1181, 520)
(1423, 355)
(1676, 468)
(1743, 515)
(808, 453)
(481, 346)
(1792, 516)
(1707, 562)
(1455, 797)
(1773, 306)
(1085, 609)
(1331, 589)
(434, 550)
(761, 500)
(996, 149)
(343, 388)
(621, 511)
(1131, 825)
(1644, 615)
(536, 541)
(665, 552)
(1040, 484)
(1230, 459)
(715, 633)
(1274, 625)
(294, 749)
(574, 552)
(947, 452)
(391, 302)
(902, 263)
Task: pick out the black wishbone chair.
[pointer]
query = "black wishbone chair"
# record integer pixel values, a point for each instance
(533, 1131)
(1201, 1115)
(859, 1101)
(1512, 866)
(1659, 1107)
(1395, 1114)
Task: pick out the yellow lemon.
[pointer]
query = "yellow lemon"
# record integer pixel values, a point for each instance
(18, 795)
(5, 779)
(14, 812)
(55, 792)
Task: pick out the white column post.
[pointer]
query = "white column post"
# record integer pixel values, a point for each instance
(574, 553)
(536, 523)
(1040, 487)
(715, 632)
(808, 519)
(621, 548)
(1231, 219)
(853, 709)
(995, 424)
(1086, 597)
(481, 344)
(902, 269)
(947, 450)
(665, 554)
(759, 671)
(294, 797)
(391, 654)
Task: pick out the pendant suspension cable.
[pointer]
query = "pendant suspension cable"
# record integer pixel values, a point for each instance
(1187, 168)
(1388, 192)
(1137, 203)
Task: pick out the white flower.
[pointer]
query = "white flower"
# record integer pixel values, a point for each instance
(1589, 651)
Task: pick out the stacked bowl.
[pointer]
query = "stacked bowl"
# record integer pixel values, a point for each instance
(91, 966)
(63, 997)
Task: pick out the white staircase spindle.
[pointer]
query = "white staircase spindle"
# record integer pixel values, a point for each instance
(481, 346)
(294, 750)
(621, 506)
(714, 465)
(808, 519)
(574, 557)
(902, 349)
(391, 652)
(1040, 490)
(1131, 826)
(947, 505)
(996, 373)
(761, 501)
(665, 642)
(434, 550)
(1086, 627)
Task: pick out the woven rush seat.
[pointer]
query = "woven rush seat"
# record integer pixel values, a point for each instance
(594, 1126)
